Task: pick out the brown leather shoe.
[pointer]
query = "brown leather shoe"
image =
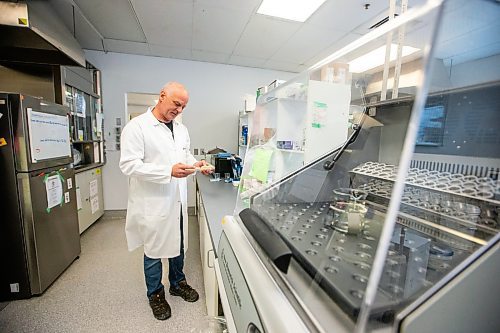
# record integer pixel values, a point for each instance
(159, 305)
(185, 291)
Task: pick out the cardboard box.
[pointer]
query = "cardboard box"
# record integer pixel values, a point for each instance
(335, 72)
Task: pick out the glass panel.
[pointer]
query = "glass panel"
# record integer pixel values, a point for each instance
(338, 208)
(88, 118)
(450, 196)
(70, 103)
(80, 113)
(95, 106)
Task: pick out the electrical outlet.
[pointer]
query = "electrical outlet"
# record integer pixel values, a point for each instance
(195, 152)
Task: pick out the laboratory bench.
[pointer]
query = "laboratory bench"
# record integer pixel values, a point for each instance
(214, 200)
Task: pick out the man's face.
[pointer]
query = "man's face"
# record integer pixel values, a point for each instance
(172, 105)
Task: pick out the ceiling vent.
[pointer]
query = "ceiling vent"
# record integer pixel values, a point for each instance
(382, 21)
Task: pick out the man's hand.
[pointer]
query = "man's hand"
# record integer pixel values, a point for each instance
(181, 170)
(201, 163)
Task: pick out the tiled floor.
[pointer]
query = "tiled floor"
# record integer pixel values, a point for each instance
(104, 291)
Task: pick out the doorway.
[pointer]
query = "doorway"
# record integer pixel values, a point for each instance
(138, 103)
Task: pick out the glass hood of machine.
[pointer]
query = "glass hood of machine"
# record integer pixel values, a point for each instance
(383, 183)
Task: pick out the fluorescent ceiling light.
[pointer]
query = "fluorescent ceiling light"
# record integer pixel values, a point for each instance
(376, 58)
(296, 10)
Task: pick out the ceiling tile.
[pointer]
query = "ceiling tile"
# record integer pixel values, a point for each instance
(202, 55)
(468, 32)
(281, 66)
(264, 35)
(218, 29)
(377, 12)
(170, 52)
(473, 54)
(122, 46)
(229, 31)
(86, 36)
(115, 19)
(230, 4)
(476, 44)
(329, 50)
(306, 43)
(346, 15)
(471, 19)
(64, 10)
(246, 61)
(301, 68)
(166, 22)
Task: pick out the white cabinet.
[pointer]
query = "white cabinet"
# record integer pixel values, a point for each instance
(207, 261)
(89, 197)
(327, 117)
(191, 191)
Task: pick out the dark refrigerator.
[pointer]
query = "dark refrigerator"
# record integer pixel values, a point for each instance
(39, 235)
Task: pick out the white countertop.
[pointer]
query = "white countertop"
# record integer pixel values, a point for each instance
(219, 200)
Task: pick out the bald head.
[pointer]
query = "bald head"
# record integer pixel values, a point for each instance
(174, 87)
(171, 102)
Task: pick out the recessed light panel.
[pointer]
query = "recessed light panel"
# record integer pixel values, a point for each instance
(295, 10)
(376, 58)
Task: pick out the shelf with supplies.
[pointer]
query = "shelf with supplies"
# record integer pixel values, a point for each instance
(81, 93)
(86, 115)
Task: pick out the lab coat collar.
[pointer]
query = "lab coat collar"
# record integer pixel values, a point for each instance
(152, 119)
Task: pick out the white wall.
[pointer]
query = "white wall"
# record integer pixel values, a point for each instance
(216, 95)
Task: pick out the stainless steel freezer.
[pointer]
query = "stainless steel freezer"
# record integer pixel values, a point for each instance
(39, 235)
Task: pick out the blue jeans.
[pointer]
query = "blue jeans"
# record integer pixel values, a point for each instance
(153, 270)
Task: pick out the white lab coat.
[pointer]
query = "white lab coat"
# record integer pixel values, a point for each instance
(148, 153)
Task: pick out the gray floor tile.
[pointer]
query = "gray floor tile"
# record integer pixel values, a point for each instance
(104, 291)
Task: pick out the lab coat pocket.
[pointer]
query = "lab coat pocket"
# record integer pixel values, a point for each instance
(156, 201)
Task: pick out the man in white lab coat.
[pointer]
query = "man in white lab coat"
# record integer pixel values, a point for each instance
(156, 158)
